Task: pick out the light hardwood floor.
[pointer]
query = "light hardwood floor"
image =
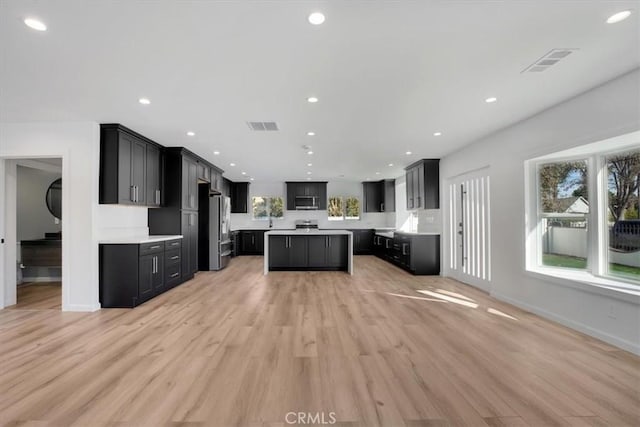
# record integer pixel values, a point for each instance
(39, 296)
(236, 348)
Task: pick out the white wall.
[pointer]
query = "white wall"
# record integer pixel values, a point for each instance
(606, 111)
(334, 188)
(84, 220)
(34, 218)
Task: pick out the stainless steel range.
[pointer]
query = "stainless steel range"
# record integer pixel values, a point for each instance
(306, 224)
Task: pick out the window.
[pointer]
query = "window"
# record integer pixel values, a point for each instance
(623, 222)
(267, 207)
(341, 208)
(563, 212)
(585, 209)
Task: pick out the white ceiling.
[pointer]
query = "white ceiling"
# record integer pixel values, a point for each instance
(388, 74)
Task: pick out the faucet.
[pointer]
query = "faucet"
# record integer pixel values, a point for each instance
(270, 223)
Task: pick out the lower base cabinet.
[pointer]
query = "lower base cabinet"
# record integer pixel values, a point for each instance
(417, 253)
(323, 252)
(251, 242)
(131, 274)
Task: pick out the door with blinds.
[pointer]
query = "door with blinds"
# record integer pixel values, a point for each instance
(468, 230)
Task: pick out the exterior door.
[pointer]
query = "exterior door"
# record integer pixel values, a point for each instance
(468, 231)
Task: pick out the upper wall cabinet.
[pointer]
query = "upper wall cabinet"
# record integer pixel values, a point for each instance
(130, 168)
(423, 184)
(379, 196)
(239, 197)
(306, 195)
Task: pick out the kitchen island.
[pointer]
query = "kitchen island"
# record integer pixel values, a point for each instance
(308, 250)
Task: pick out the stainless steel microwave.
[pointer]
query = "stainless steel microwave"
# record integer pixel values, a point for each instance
(306, 202)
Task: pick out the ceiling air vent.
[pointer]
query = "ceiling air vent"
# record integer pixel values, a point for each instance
(262, 126)
(549, 59)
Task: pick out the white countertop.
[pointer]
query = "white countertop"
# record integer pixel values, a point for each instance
(419, 233)
(305, 232)
(136, 240)
(388, 234)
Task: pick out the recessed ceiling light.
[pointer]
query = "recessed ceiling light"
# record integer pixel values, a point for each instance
(216, 153)
(316, 18)
(35, 24)
(144, 101)
(437, 133)
(191, 133)
(309, 152)
(243, 173)
(615, 18)
(377, 173)
(232, 164)
(251, 179)
(312, 99)
(309, 164)
(408, 153)
(390, 164)
(311, 133)
(309, 173)
(490, 100)
(367, 179)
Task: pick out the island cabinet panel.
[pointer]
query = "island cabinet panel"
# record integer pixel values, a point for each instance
(317, 251)
(279, 251)
(308, 252)
(337, 251)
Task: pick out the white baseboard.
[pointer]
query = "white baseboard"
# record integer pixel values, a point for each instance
(81, 307)
(40, 279)
(608, 338)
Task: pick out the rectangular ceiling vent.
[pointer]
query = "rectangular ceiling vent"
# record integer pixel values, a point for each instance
(549, 59)
(262, 126)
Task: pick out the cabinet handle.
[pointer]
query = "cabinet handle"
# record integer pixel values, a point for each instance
(404, 245)
(153, 265)
(253, 239)
(329, 240)
(157, 197)
(175, 275)
(175, 244)
(175, 257)
(381, 207)
(155, 247)
(132, 195)
(418, 201)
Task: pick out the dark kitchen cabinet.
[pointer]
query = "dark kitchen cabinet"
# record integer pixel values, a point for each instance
(189, 183)
(288, 251)
(308, 252)
(252, 242)
(217, 182)
(416, 253)
(315, 189)
(337, 251)
(153, 173)
(239, 197)
(130, 167)
(189, 243)
(362, 241)
(131, 274)
(317, 251)
(379, 196)
(423, 184)
(204, 172)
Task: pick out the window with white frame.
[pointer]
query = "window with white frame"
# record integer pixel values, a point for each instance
(264, 207)
(585, 211)
(343, 207)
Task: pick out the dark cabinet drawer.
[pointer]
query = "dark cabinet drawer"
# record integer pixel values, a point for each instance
(173, 244)
(172, 274)
(172, 256)
(151, 248)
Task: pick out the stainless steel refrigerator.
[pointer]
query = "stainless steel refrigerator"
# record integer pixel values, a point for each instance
(215, 240)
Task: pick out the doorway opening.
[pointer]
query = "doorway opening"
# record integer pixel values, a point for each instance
(34, 196)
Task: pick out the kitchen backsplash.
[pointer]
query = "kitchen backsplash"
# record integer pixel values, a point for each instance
(368, 220)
